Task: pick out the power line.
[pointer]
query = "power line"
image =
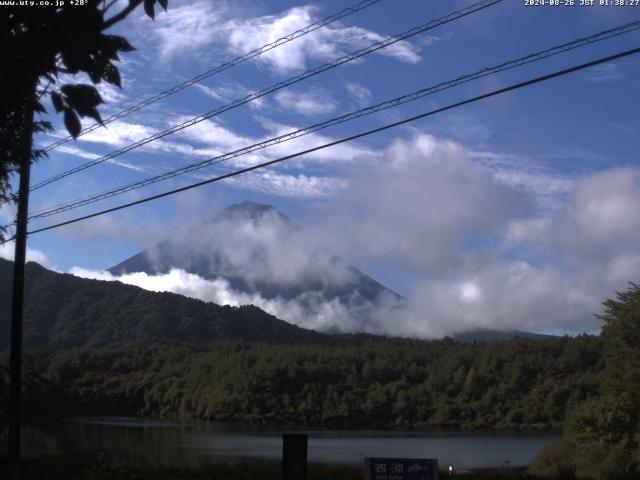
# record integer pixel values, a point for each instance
(533, 57)
(346, 139)
(220, 68)
(292, 80)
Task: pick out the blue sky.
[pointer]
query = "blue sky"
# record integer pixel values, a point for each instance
(518, 211)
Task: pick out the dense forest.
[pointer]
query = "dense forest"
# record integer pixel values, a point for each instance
(106, 347)
(518, 384)
(109, 348)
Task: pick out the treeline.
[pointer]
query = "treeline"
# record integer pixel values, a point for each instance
(63, 312)
(518, 384)
(602, 436)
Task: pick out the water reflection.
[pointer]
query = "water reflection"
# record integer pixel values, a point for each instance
(135, 441)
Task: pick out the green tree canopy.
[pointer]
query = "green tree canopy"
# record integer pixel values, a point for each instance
(603, 435)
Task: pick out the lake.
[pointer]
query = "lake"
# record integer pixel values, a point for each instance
(135, 441)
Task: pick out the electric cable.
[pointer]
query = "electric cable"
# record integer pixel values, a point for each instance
(221, 68)
(533, 57)
(500, 91)
(290, 81)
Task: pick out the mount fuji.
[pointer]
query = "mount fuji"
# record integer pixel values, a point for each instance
(256, 252)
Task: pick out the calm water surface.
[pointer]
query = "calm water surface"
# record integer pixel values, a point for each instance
(137, 441)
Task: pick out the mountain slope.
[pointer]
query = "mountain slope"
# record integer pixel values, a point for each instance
(63, 311)
(257, 251)
(207, 259)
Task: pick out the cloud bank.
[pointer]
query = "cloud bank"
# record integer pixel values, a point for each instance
(206, 27)
(488, 256)
(309, 310)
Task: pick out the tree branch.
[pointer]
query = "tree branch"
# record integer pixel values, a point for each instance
(107, 7)
(122, 15)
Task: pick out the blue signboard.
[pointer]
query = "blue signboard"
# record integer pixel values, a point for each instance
(400, 468)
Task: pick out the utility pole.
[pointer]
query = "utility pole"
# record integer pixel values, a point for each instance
(17, 305)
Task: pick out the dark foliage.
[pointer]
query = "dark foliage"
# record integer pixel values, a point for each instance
(602, 438)
(40, 44)
(518, 384)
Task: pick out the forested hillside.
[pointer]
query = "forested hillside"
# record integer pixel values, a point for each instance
(161, 354)
(63, 311)
(521, 384)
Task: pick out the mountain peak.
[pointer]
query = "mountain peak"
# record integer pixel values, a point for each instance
(266, 259)
(251, 211)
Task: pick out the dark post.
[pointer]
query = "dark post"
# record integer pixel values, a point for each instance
(294, 457)
(17, 305)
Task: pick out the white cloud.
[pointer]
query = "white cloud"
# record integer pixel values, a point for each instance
(209, 139)
(111, 94)
(187, 29)
(7, 251)
(219, 93)
(8, 212)
(535, 182)
(126, 227)
(229, 93)
(297, 186)
(326, 43)
(583, 254)
(421, 202)
(202, 27)
(119, 134)
(266, 248)
(313, 102)
(498, 294)
(214, 140)
(432, 208)
(609, 72)
(212, 134)
(548, 186)
(122, 134)
(599, 220)
(360, 93)
(78, 152)
(345, 152)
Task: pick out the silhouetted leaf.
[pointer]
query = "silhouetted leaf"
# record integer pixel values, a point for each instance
(56, 99)
(148, 8)
(81, 97)
(73, 58)
(37, 154)
(112, 75)
(93, 113)
(164, 4)
(72, 122)
(95, 72)
(37, 107)
(110, 46)
(42, 126)
(122, 44)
